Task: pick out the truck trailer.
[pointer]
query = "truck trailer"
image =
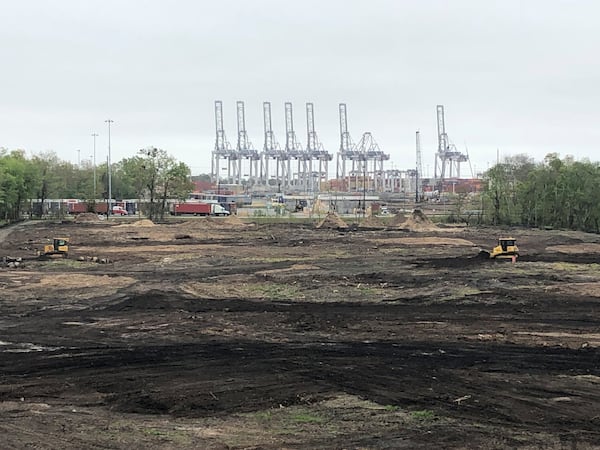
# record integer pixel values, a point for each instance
(82, 207)
(199, 209)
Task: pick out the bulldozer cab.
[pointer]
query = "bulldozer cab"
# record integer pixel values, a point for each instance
(60, 244)
(507, 248)
(505, 243)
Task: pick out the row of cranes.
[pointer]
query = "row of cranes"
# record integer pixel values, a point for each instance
(359, 166)
(295, 167)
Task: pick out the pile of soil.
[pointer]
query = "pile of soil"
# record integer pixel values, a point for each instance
(397, 220)
(87, 217)
(145, 223)
(418, 221)
(233, 221)
(332, 220)
(214, 223)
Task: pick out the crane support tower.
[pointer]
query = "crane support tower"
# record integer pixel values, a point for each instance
(372, 157)
(248, 157)
(316, 152)
(447, 159)
(359, 165)
(222, 150)
(346, 151)
(272, 151)
(294, 151)
(418, 169)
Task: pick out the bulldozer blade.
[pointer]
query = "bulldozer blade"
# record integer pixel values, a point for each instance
(484, 254)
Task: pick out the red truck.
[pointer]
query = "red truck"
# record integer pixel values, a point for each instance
(199, 209)
(99, 208)
(77, 207)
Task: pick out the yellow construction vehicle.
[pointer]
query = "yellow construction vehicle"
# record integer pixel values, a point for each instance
(59, 246)
(506, 249)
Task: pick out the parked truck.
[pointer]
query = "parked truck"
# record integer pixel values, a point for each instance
(99, 208)
(82, 207)
(199, 209)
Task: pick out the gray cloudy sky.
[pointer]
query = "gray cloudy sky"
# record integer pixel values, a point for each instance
(519, 76)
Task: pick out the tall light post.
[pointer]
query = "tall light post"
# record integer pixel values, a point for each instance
(95, 135)
(109, 121)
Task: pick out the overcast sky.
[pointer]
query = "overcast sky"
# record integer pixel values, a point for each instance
(518, 76)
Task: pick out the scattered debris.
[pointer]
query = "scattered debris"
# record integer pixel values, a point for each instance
(11, 262)
(94, 259)
(459, 400)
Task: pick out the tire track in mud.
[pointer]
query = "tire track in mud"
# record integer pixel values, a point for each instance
(222, 377)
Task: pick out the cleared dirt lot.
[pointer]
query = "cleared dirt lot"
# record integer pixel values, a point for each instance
(216, 334)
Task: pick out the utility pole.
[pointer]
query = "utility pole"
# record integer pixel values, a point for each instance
(79, 158)
(364, 211)
(95, 135)
(108, 213)
(419, 169)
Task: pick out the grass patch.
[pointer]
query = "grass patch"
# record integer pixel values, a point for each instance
(305, 417)
(575, 267)
(264, 415)
(154, 432)
(461, 293)
(277, 291)
(391, 408)
(423, 415)
(65, 262)
(367, 290)
(277, 219)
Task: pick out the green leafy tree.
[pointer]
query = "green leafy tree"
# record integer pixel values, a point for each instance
(17, 179)
(503, 185)
(156, 176)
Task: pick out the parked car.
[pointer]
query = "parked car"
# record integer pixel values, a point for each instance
(119, 211)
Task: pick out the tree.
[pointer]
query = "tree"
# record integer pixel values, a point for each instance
(157, 176)
(16, 182)
(503, 185)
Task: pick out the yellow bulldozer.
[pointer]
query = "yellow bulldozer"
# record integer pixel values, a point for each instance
(59, 246)
(506, 249)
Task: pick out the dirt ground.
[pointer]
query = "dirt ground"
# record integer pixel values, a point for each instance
(215, 334)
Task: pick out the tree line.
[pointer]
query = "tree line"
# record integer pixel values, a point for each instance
(557, 193)
(554, 193)
(151, 175)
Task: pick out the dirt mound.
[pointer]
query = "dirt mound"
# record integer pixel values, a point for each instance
(144, 223)
(418, 221)
(87, 217)
(213, 223)
(397, 220)
(332, 220)
(231, 221)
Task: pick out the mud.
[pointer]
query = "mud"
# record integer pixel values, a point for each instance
(287, 336)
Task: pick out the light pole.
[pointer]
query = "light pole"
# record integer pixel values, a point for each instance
(95, 135)
(109, 121)
(364, 212)
(79, 158)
